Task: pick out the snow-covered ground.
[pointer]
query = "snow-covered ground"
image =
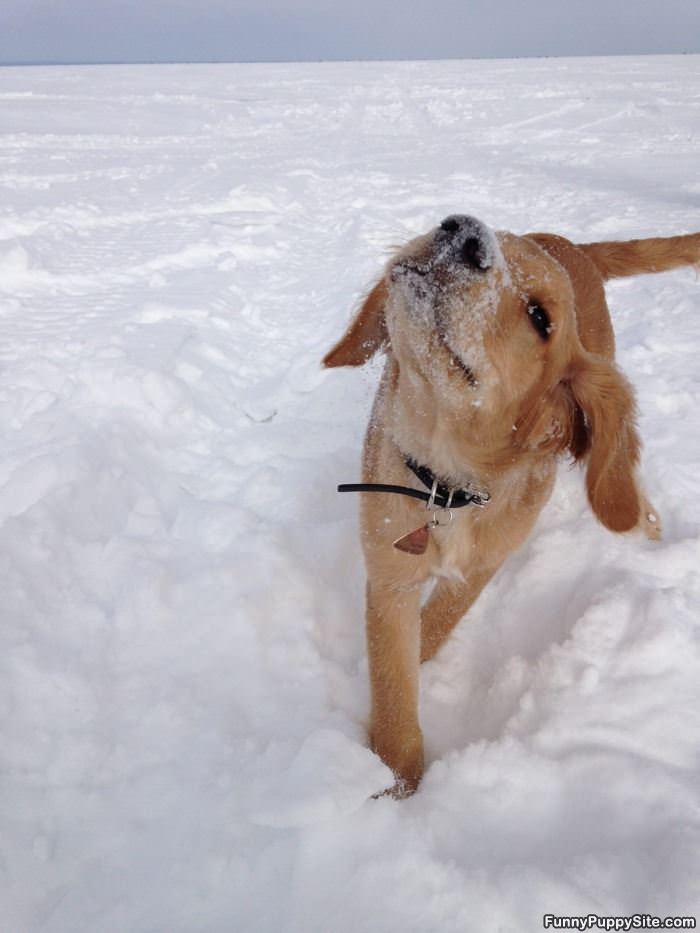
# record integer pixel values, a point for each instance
(183, 683)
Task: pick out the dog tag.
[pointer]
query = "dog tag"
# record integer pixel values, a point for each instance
(415, 542)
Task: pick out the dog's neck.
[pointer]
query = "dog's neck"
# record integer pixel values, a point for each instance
(447, 494)
(441, 460)
(425, 473)
(502, 468)
(448, 464)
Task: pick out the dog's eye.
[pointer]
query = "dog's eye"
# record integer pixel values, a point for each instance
(540, 320)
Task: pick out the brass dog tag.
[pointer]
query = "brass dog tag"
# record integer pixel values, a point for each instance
(415, 542)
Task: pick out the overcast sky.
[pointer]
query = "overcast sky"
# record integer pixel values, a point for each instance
(291, 30)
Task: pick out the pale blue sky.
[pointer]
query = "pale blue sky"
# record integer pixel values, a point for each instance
(274, 30)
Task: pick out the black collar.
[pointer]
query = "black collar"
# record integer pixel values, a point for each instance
(459, 497)
(441, 496)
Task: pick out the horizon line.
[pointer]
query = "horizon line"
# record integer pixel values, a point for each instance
(52, 63)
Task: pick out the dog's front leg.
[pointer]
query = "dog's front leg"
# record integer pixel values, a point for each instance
(393, 648)
(447, 604)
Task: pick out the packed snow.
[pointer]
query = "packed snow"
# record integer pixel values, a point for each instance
(183, 683)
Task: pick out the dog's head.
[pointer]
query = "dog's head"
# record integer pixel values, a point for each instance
(482, 330)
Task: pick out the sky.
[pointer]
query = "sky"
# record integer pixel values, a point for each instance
(303, 30)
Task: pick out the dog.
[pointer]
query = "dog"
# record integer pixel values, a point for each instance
(500, 358)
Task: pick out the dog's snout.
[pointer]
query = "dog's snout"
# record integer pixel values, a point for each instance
(470, 241)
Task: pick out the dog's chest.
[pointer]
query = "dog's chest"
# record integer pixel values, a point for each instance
(454, 550)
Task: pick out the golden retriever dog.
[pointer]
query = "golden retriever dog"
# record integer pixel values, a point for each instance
(499, 359)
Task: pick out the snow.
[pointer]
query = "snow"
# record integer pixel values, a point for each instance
(183, 685)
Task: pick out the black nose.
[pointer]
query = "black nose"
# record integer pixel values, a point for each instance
(470, 240)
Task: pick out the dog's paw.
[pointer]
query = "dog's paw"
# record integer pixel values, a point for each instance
(402, 750)
(399, 791)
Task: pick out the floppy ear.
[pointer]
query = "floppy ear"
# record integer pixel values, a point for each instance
(604, 432)
(366, 334)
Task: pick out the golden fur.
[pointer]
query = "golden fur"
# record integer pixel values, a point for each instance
(472, 390)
